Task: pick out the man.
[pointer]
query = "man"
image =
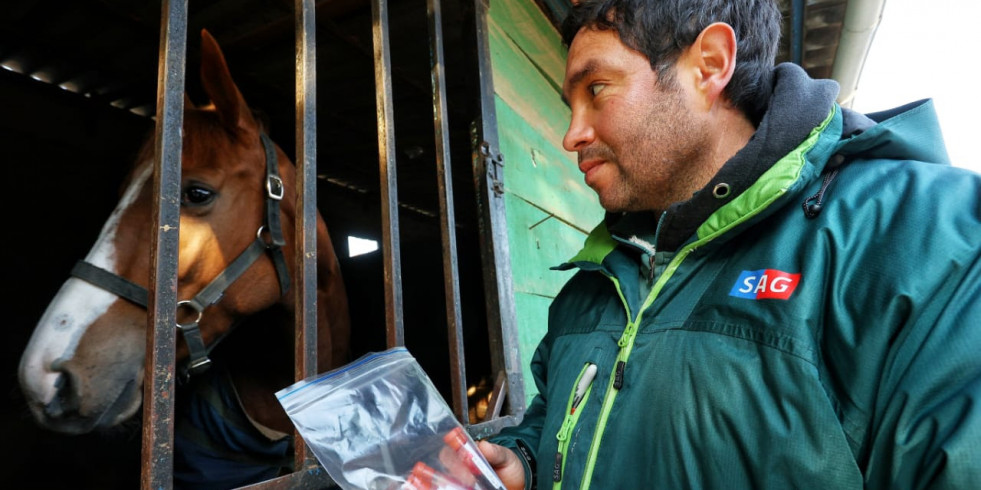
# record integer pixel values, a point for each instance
(784, 293)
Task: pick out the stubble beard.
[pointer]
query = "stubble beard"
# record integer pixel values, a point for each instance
(660, 164)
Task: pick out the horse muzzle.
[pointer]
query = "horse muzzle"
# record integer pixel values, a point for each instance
(68, 405)
(80, 374)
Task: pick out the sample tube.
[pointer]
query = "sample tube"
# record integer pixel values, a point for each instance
(475, 462)
(425, 477)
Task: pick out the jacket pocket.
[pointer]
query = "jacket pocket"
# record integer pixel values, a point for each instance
(580, 392)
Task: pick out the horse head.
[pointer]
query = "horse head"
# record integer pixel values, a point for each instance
(84, 365)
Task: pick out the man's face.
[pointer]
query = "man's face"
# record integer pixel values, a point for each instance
(639, 145)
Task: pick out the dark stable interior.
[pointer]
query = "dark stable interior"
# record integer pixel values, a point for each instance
(68, 151)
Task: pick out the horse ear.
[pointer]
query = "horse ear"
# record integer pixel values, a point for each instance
(221, 89)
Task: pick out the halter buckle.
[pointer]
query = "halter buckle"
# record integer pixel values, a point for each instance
(199, 366)
(274, 187)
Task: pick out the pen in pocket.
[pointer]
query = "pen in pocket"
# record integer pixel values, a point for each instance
(584, 381)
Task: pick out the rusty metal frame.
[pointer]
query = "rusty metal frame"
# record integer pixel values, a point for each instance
(158, 390)
(307, 474)
(157, 462)
(384, 112)
(447, 214)
(488, 166)
(158, 433)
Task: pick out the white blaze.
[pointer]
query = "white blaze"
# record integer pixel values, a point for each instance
(77, 304)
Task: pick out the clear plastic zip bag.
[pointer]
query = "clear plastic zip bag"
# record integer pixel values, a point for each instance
(378, 423)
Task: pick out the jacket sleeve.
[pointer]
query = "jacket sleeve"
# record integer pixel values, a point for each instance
(523, 438)
(926, 425)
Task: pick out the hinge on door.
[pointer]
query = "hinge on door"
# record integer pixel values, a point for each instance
(492, 160)
(494, 163)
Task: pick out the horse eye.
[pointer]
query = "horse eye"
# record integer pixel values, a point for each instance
(196, 195)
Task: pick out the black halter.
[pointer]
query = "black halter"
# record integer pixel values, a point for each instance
(269, 238)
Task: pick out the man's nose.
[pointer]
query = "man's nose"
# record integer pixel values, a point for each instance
(579, 134)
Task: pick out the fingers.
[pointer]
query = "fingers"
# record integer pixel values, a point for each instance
(507, 465)
(495, 455)
(454, 466)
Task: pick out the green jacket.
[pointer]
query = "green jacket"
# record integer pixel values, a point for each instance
(773, 347)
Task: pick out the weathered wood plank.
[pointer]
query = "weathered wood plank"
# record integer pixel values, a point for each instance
(527, 27)
(526, 90)
(533, 322)
(538, 172)
(538, 242)
(549, 207)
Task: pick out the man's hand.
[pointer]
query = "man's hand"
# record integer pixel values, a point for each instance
(509, 469)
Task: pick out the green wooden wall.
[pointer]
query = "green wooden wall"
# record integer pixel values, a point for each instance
(549, 207)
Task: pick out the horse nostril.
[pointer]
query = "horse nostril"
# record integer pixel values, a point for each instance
(65, 400)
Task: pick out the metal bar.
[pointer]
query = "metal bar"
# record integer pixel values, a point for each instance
(494, 247)
(447, 216)
(398, 75)
(497, 396)
(311, 477)
(158, 391)
(797, 32)
(305, 235)
(308, 473)
(394, 329)
(491, 427)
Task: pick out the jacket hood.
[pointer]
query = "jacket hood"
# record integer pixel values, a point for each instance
(908, 132)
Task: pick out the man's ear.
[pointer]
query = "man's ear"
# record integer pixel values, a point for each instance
(713, 58)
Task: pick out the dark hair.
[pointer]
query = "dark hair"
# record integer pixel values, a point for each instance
(662, 29)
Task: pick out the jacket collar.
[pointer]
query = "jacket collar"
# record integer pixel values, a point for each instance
(797, 105)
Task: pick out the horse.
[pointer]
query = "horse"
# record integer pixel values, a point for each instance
(83, 368)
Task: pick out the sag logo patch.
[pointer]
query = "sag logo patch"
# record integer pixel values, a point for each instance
(765, 284)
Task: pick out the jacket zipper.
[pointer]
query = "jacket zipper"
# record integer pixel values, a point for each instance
(653, 251)
(583, 387)
(626, 344)
(650, 272)
(626, 341)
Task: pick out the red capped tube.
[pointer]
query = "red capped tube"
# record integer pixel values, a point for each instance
(425, 477)
(475, 462)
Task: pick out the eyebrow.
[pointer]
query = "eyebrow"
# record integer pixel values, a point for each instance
(589, 68)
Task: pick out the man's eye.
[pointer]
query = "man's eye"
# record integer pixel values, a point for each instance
(596, 88)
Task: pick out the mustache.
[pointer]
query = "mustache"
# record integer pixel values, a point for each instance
(598, 152)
